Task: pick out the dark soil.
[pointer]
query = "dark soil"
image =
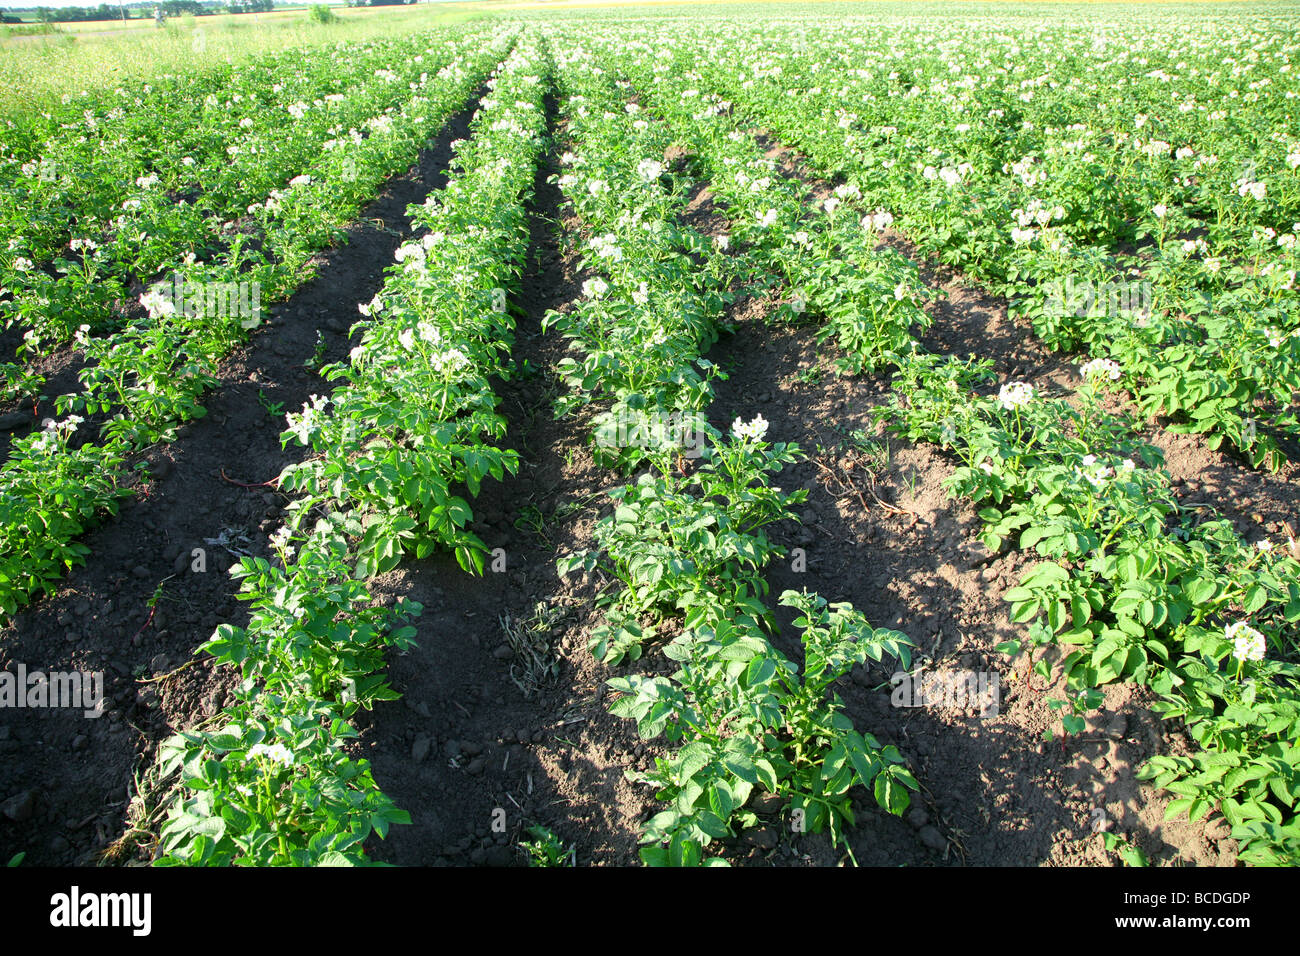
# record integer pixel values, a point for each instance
(487, 742)
(72, 775)
(492, 736)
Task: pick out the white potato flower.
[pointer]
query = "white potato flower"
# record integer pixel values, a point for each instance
(1015, 395)
(450, 361)
(750, 431)
(649, 170)
(280, 540)
(1095, 473)
(276, 753)
(1247, 643)
(877, 220)
(1102, 368)
(158, 303)
(1254, 189)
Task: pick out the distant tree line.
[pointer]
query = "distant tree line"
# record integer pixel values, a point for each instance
(75, 14)
(170, 8)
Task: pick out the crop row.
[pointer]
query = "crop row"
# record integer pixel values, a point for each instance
(137, 219)
(1154, 230)
(1135, 588)
(414, 416)
(821, 263)
(686, 538)
(1160, 236)
(146, 379)
(217, 144)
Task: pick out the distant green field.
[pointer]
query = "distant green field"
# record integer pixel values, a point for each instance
(967, 332)
(37, 69)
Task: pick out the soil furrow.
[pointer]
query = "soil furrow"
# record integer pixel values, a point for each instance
(155, 586)
(969, 320)
(879, 531)
(493, 736)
